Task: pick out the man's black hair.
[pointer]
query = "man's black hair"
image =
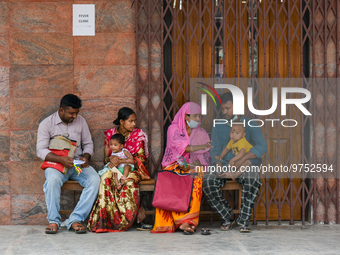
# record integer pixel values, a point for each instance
(226, 97)
(70, 100)
(119, 138)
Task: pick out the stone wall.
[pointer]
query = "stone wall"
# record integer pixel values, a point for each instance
(40, 61)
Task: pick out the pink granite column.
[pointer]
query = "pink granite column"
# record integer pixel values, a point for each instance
(40, 61)
(5, 194)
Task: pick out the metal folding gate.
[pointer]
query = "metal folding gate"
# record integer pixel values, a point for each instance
(256, 39)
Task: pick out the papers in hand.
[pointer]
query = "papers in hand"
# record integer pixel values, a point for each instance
(78, 162)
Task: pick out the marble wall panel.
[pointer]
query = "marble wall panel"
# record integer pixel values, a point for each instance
(5, 183)
(4, 113)
(28, 209)
(156, 60)
(338, 195)
(4, 49)
(98, 140)
(27, 178)
(105, 49)
(4, 145)
(100, 114)
(4, 81)
(41, 17)
(114, 16)
(41, 1)
(5, 197)
(67, 200)
(37, 49)
(4, 17)
(41, 81)
(23, 145)
(5, 212)
(143, 65)
(105, 81)
(97, 165)
(27, 113)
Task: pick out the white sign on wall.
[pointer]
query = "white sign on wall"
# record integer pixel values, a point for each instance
(83, 19)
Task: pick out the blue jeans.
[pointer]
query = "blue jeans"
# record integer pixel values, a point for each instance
(89, 179)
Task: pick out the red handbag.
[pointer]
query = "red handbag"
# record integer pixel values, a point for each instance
(173, 191)
(61, 146)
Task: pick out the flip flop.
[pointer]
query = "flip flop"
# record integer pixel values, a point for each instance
(78, 228)
(144, 227)
(51, 228)
(244, 229)
(229, 226)
(186, 232)
(205, 231)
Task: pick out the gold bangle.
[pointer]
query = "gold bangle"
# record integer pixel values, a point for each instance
(106, 161)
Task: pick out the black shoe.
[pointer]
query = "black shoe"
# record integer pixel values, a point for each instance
(144, 227)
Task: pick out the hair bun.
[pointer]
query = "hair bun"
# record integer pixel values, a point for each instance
(116, 122)
(123, 114)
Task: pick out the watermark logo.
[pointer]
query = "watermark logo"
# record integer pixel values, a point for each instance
(204, 97)
(238, 99)
(281, 97)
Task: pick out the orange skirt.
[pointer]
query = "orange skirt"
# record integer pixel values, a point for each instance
(168, 222)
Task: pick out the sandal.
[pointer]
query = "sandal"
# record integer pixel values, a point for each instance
(186, 232)
(189, 230)
(229, 226)
(78, 228)
(51, 228)
(144, 227)
(244, 229)
(205, 231)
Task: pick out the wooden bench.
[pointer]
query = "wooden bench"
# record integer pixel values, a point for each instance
(149, 185)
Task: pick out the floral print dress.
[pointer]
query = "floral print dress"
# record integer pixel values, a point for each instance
(116, 209)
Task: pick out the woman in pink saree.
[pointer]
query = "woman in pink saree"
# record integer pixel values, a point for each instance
(185, 140)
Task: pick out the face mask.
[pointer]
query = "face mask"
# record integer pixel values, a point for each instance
(192, 124)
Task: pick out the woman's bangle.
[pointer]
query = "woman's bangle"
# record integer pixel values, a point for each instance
(107, 160)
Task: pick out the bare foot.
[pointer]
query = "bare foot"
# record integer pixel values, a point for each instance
(186, 227)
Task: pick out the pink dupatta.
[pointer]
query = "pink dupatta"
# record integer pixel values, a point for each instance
(178, 138)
